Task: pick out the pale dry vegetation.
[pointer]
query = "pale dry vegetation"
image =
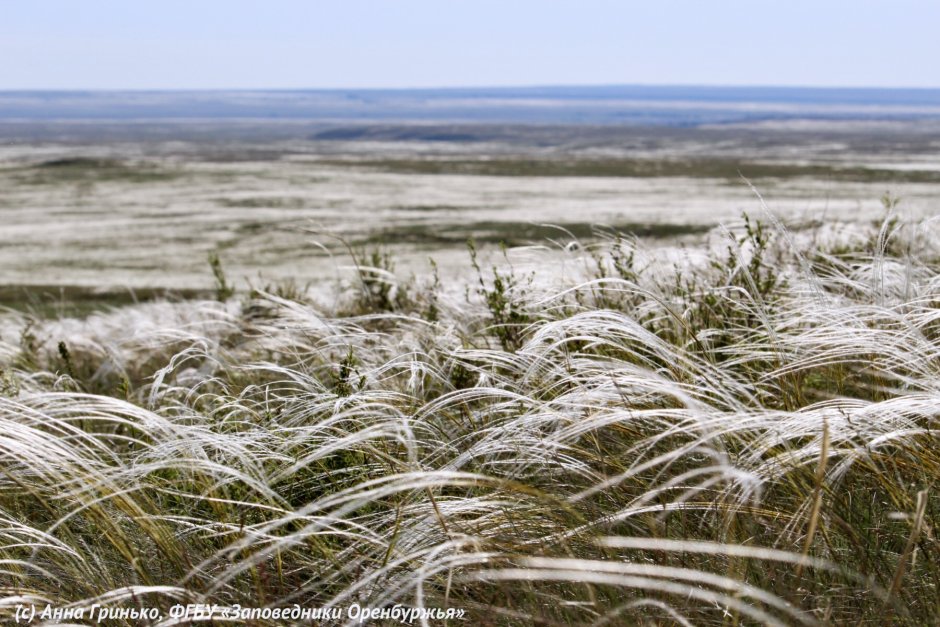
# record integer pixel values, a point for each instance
(740, 434)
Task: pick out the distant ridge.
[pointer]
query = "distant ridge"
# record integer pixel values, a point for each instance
(641, 105)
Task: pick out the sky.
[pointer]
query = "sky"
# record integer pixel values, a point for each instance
(295, 44)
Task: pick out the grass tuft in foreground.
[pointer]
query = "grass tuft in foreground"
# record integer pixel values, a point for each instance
(741, 434)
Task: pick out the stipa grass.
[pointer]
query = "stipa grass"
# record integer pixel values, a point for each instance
(746, 434)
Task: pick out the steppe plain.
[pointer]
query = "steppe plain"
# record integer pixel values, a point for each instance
(118, 211)
(711, 420)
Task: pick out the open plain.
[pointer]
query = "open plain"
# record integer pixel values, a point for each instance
(116, 207)
(471, 370)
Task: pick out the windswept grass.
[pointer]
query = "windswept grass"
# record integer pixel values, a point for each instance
(513, 233)
(729, 169)
(49, 301)
(89, 171)
(742, 434)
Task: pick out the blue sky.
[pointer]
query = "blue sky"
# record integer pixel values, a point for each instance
(181, 44)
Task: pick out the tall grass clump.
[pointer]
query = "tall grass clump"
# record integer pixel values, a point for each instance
(742, 433)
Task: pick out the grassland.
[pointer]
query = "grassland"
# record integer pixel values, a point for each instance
(117, 217)
(88, 171)
(511, 233)
(745, 433)
(728, 169)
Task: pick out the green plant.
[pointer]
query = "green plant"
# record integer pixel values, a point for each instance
(346, 378)
(431, 311)
(380, 289)
(223, 290)
(503, 298)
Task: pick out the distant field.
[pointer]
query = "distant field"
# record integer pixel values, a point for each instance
(552, 374)
(646, 168)
(113, 211)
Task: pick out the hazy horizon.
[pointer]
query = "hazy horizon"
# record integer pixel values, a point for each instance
(633, 105)
(482, 86)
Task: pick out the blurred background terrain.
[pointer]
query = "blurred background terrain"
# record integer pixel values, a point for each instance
(116, 196)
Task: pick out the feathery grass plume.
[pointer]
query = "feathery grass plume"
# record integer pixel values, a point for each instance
(740, 433)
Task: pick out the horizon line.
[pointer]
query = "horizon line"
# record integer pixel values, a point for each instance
(766, 86)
